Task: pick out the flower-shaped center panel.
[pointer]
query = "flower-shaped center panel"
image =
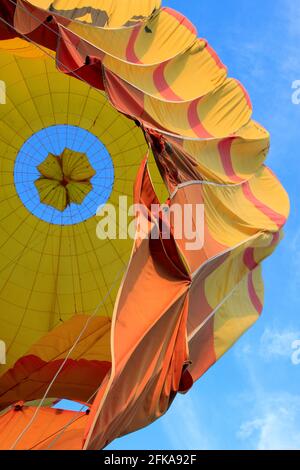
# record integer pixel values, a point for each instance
(64, 179)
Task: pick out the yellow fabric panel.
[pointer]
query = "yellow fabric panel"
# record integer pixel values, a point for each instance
(94, 344)
(231, 216)
(51, 168)
(22, 48)
(188, 76)
(207, 156)
(163, 37)
(49, 272)
(52, 193)
(236, 315)
(247, 153)
(226, 110)
(78, 191)
(223, 280)
(47, 403)
(101, 13)
(225, 215)
(268, 189)
(196, 72)
(66, 179)
(250, 149)
(220, 113)
(76, 166)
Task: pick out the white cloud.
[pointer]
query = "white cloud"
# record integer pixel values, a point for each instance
(292, 9)
(271, 419)
(182, 425)
(275, 344)
(276, 424)
(290, 18)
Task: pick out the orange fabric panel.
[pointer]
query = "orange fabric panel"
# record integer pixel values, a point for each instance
(149, 359)
(82, 373)
(47, 430)
(199, 306)
(193, 194)
(202, 352)
(142, 390)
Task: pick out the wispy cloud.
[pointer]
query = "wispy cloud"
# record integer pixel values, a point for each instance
(275, 344)
(290, 17)
(275, 423)
(292, 9)
(269, 418)
(183, 426)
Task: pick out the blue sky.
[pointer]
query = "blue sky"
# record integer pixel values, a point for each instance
(55, 139)
(251, 398)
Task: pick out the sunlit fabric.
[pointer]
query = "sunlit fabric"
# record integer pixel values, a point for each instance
(64, 428)
(107, 99)
(65, 179)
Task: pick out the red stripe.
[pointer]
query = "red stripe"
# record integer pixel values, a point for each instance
(162, 85)
(215, 56)
(194, 120)
(245, 93)
(249, 259)
(276, 237)
(29, 377)
(130, 53)
(278, 219)
(224, 148)
(253, 295)
(181, 19)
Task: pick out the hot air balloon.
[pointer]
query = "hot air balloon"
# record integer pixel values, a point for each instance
(106, 99)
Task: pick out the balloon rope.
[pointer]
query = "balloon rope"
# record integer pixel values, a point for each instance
(69, 70)
(27, 427)
(39, 21)
(166, 133)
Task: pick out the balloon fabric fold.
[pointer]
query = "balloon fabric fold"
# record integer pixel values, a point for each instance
(104, 100)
